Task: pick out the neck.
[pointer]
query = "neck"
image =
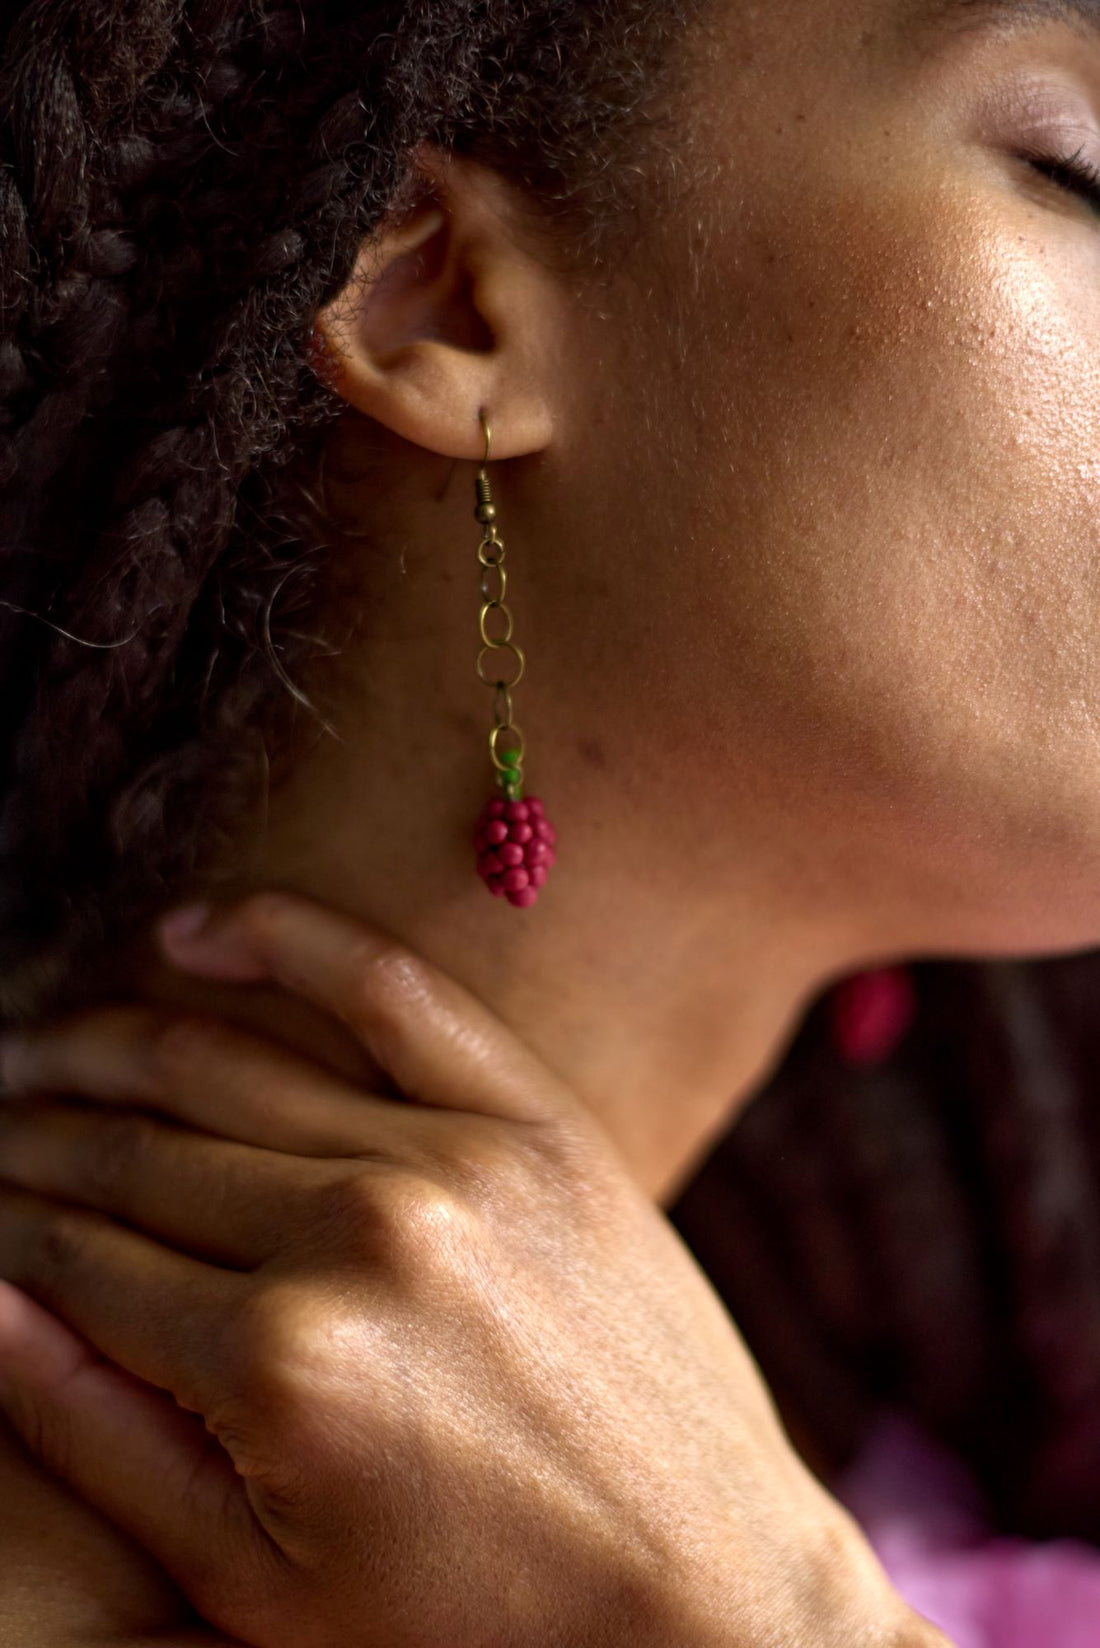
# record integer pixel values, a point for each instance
(664, 1042)
(665, 966)
(663, 1015)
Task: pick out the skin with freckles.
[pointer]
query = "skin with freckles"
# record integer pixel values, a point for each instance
(800, 508)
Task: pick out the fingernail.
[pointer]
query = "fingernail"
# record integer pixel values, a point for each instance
(186, 922)
(214, 949)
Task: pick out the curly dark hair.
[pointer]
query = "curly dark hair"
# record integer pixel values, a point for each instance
(183, 185)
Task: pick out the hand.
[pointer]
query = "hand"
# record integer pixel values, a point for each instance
(442, 1374)
(70, 1579)
(68, 1576)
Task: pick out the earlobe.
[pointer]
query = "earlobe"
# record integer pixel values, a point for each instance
(446, 313)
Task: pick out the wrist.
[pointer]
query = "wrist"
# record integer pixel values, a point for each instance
(856, 1605)
(833, 1593)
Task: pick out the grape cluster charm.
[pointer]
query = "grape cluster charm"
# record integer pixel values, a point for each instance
(515, 848)
(515, 840)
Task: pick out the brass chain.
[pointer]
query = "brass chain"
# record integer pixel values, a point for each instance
(491, 554)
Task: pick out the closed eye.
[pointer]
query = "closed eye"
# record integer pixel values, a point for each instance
(1071, 172)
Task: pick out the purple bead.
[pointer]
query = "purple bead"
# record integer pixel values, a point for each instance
(496, 886)
(543, 829)
(511, 855)
(521, 833)
(496, 832)
(536, 852)
(492, 864)
(495, 809)
(538, 874)
(535, 808)
(524, 899)
(516, 880)
(517, 810)
(551, 859)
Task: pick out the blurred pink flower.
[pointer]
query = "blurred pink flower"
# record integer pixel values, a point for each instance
(925, 1517)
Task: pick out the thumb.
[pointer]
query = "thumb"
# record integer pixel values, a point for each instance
(124, 1446)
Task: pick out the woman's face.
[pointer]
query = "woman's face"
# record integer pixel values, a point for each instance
(843, 529)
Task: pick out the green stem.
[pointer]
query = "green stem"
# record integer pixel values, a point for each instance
(511, 781)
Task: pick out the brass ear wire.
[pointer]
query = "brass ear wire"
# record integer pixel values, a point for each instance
(515, 841)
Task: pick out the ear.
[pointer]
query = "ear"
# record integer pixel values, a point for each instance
(448, 312)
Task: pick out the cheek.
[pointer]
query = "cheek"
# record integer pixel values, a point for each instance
(902, 427)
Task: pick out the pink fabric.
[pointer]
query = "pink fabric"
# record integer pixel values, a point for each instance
(925, 1518)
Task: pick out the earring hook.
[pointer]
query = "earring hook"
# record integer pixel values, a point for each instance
(488, 435)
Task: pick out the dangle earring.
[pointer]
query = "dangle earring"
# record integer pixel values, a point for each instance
(515, 840)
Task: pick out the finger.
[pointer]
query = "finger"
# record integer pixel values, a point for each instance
(159, 1315)
(209, 1074)
(125, 1448)
(441, 1045)
(227, 1203)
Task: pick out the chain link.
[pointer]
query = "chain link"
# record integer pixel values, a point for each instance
(491, 553)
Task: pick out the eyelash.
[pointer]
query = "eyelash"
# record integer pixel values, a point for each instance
(1070, 172)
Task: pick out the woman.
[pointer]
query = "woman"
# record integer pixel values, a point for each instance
(774, 334)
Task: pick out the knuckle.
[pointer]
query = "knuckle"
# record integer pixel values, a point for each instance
(353, 1213)
(422, 1228)
(278, 1344)
(388, 980)
(115, 1155)
(400, 1222)
(60, 1244)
